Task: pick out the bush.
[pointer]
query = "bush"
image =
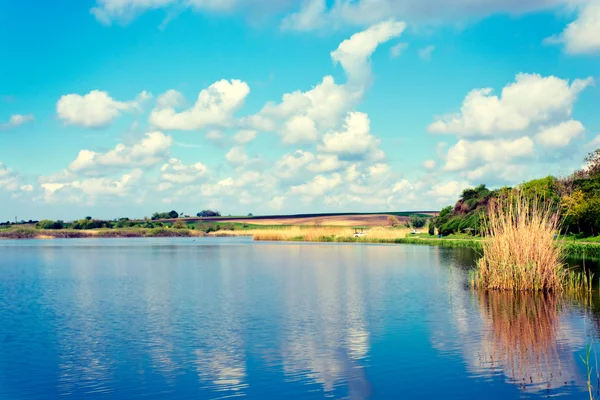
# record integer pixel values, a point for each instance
(49, 224)
(179, 225)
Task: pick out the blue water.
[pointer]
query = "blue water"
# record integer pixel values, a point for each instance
(218, 318)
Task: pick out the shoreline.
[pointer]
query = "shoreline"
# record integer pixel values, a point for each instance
(573, 249)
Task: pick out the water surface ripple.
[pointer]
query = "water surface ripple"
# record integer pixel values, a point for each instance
(215, 318)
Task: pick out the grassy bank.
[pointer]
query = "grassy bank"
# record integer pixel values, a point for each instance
(30, 233)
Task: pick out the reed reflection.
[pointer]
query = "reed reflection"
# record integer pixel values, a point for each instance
(527, 337)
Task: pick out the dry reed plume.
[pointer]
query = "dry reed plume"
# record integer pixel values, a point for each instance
(520, 251)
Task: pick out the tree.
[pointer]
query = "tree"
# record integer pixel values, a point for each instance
(173, 214)
(250, 215)
(593, 163)
(88, 218)
(208, 214)
(431, 229)
(417, 222)
(393, 221)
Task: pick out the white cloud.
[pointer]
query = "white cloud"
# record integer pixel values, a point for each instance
(354, 141)
(9, 180)
(244, 136)
(559, 135)
(215, 106)
(90, 189)
(290, 165)
(151, 150)
(170, 99)
(17, 120)
(466, 154)
(429, 164)
(237, 155)
(107, 186)
(581, 36)
(318, 186)
(95, 109)
(531, 99)
(402, 186)
(398, 49)
(450, 190)
(325, 163)
(276, 203)
(425, 53)
(299, 129)
(353, 53)
(304, 116)
(174, 171)
(317, 15)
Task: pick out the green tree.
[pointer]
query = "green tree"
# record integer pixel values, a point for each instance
(417, 222)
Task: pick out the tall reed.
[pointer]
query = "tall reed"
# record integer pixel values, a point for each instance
(520, 250)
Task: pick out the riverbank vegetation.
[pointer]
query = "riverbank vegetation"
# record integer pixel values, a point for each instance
(520, 251)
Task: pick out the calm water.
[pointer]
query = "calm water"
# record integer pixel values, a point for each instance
(221, 318)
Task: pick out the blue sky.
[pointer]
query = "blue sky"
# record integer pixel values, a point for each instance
(125, 107)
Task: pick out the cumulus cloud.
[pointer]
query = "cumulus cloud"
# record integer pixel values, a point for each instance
(429, 164)
(325, 163)
(448, 191)
(9, 180)
(170, 99)
(318, 15)
(354, 141)
(95, 109)
(299, 129)
(318, 186)
(245, 136)
(90, 189)
(466, 154)
(17, 120)
(581, 36)
(291, 164)
(353, 53)
(174, 171)
(302, 117)
(215, 106)
(149, 151)
(559, 135)
(531, 99)
(237, 155)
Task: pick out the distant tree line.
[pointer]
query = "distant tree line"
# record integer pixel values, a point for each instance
(165, 215)
(208, 213)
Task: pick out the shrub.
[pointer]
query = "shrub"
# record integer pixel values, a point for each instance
(179, 225)
(393, 221)
(49, 224)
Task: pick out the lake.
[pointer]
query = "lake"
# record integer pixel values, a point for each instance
(211, 318)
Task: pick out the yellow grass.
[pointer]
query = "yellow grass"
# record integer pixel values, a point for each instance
(317, 234)
(520, 251)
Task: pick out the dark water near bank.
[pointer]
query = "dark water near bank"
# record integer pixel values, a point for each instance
(217, 318)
